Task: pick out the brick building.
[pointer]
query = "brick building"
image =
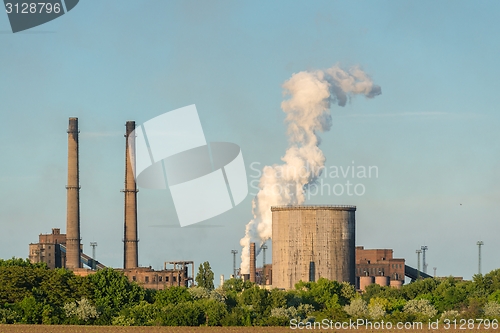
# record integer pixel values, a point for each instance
(48, 249)
(176, 275)
(379, 262)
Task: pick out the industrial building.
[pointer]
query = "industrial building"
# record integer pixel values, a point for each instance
(378, 266)
(66, 251)
(48, 249)
(310, 242)
(373, 266)
(174, 273)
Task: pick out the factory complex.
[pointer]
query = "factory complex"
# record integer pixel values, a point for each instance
(309, 242)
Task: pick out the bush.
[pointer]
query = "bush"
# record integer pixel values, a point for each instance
(492, 310)
(357, 308)
(450, 315)
(376, 311)
(8, 316)
(421, 308)
(82, 310)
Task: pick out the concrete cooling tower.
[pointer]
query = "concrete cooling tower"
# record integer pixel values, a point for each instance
(310, 242)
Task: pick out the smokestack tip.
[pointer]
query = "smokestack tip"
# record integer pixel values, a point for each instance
(73, 125)
(130, 125)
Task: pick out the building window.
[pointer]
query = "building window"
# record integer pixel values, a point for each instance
(49, 247)
(175, 279)
(160, 278)
(133, 278)
(49, 261)
(146, 279)
(166, 278)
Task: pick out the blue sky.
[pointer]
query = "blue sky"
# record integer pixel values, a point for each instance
(433, 133)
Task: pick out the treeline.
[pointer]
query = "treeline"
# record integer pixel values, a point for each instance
(33, 294)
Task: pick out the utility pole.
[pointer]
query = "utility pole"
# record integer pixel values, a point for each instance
(435, 268)
(418, 266)
(424, 248)
(479, 244)
(234, 252)
(94, 245)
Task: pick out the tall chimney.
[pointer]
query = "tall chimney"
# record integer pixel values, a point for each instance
(130, 252)
(252, 262)
(73, 199)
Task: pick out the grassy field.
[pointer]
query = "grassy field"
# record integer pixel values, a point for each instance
(165, 329)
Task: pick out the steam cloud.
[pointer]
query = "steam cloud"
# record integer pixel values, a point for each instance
(307, 113)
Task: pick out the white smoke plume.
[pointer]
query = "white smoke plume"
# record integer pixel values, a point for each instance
(307, 114)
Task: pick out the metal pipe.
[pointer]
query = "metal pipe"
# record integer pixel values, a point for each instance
(424, 248)
(418, 265)
(479, 244)
(94, 245)
(234, 252)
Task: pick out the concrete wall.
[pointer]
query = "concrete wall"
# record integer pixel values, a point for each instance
(313, 242)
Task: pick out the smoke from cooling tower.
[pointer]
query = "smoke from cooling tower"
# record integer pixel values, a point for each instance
(307, 114)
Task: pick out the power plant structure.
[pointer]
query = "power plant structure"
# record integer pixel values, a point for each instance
(378, 266)
(178, 274)
(312, 242)
(252, 262)
(309, 242)
(130, 239)
(73, 199)
(60, 250)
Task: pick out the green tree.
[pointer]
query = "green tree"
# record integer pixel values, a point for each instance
(205, 276)
(30, 310)
(325, 294)
(213, 311)
(173, 295)
(277, 299)
(112, 291)
(19, 262)
(257, 298)
(8, 316)
(142, 314)
(182, 314)
(17, 282)
(420, 287)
